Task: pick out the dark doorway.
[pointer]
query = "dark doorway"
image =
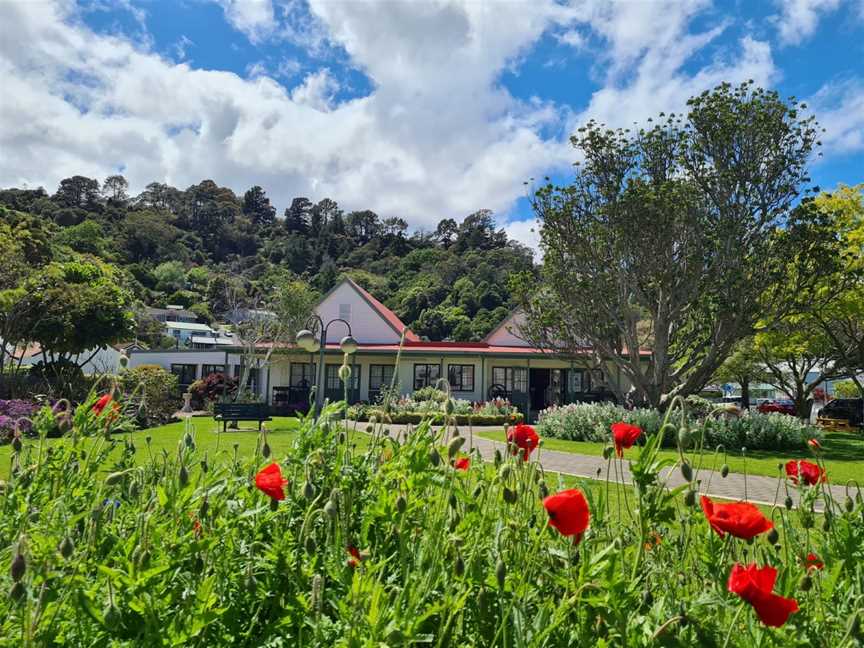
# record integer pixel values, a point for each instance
(538, 381)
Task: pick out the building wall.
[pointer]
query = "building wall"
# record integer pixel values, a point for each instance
(367, 326)
(507, 333)
(106, 361)
(198, 358)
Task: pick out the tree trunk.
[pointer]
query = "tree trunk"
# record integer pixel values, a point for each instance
(745, 392)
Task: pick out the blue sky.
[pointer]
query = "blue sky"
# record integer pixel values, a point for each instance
(423, 110)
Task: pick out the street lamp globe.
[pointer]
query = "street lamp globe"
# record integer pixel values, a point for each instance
(348, 345)
(306, 341)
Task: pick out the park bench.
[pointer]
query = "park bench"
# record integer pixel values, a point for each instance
(241, 412)
(835, 425)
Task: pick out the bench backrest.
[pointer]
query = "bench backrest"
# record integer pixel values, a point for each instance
(242, 410)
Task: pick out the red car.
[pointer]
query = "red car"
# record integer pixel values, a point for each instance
(781, 406)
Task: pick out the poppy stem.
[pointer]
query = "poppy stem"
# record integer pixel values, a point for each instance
(732, 625)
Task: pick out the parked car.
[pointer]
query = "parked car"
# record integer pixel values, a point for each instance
(849, 409)
(780, 406)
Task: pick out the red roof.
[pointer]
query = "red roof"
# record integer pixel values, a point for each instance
(483, 348)
(391, 317)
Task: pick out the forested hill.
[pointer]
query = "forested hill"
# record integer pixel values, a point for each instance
(189, 246)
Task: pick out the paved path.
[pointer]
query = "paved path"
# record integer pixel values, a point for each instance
(759, 489)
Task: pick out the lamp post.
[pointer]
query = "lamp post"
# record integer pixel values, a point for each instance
(307, 341)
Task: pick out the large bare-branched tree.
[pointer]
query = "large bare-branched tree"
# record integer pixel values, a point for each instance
(677, 239)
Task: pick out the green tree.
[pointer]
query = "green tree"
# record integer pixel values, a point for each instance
(257, 207)
(75, 307)
(77, 191)
(743, 366)
(644, 248)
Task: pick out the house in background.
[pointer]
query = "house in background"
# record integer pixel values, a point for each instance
(104, 360)
(502, 365)
(192, 335)
(172, 313)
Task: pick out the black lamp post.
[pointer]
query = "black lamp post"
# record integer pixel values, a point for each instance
(307, 341)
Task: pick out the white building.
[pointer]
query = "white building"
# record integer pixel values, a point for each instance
(501, 365)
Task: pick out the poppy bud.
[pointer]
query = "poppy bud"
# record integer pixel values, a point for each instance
(501, 573)
(265, 450)
(308, 491)
(317, 589)
(826, 523)
(344, 373)
(114, 478)
(434, 457)
(788, 503)
(16, 443)
(807, 521)
(310, 545)
(453, 447)
(497, 458)
(724, 471)
(544, 490)
(509, 495)
(148, 439)
(250, 584)
(684, 438)
(607, 452)
(274, 504)
(188, 440)
(205, 506)
(18, 591)
(849, 504)
(773, 536)
(690, 498)
(805, 583)
(482, 598)
(330, 509)
(401, 504)
(341, 439)
(204, 466)
(143, 559)
(505, 471)
(459, 566)
(448, 406)
(183, 475)
(66, 547)
(686, 471)
(19, 566)
(647, 598)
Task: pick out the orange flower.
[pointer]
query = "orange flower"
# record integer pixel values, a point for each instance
(624, 435)
(463, 463)
(270, 481)
(100, 404)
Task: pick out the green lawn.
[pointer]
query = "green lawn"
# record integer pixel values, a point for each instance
(842, 453)
(209, 438)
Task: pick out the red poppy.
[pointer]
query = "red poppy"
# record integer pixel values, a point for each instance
(269, 480)
(754, 585)
(740, 519)
(568, 512)
(812, 562)
(354, 556)
(807, 470)
(625, 436)
(462, 463)
(100, 404)
(814, 443)
(523, 437)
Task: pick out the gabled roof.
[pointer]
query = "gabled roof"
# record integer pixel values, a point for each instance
(388, 315)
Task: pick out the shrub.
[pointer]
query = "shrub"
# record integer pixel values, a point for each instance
(154, 390)
(211, 388)
(755, 431)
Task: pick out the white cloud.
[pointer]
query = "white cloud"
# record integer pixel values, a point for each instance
(318, 91)
(436, 137)
(526, 232)
(798, 19)
(839, 107)
(254, 18)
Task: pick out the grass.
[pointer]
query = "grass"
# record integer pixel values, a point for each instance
(842, 453)
(208, 437)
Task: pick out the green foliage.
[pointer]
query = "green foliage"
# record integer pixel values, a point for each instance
(154, 390)
(184, 550)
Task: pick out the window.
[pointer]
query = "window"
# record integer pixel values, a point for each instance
(578, 381)
(331, 378)
(252, 381)
(426, 375)
(380, 377)
(513, 379)
(302, 374)
(208, 369)
(185, 373)
(461, 377)
(345, 312)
